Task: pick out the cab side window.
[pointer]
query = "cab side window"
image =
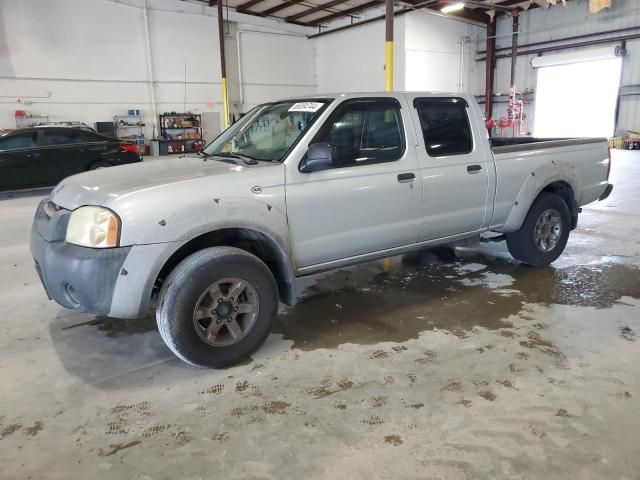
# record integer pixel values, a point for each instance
(445, 126)
(18, 141)
(364, 131)
(54, 137)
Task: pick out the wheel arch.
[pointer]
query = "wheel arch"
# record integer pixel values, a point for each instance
(566, 192)
(250, 240)
(531, 189)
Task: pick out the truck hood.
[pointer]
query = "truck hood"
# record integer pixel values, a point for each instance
(106, 185)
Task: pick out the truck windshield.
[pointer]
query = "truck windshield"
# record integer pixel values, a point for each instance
(268, 131)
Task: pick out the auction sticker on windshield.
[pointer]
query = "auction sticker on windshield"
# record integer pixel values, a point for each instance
(306, 107)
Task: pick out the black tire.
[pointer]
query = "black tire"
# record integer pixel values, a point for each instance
(185, 286)
(522, 244)
(99, 164)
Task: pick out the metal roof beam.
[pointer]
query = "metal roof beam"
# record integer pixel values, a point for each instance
(281, 6)
(346, 13)
(311, 11)
(244, 7)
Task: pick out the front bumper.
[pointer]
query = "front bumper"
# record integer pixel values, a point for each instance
(79, 278)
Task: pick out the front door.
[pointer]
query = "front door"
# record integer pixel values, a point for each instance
(20, 162)
(370, 199)
(453, 167)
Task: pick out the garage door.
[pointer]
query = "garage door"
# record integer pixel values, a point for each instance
(576, 93)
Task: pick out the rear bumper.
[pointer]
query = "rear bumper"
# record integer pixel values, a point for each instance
(607, 192)
(76, 277)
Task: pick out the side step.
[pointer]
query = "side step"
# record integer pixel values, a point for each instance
(495, 238)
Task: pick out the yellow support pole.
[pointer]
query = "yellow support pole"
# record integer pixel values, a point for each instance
(388, 45)
(223, 67)
(387, 263)
(225, 102)
(388, 65)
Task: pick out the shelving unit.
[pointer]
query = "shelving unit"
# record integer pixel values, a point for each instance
(130, 128)
(30, 120)
(182, 131)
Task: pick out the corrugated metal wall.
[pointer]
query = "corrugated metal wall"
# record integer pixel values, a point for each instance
(560, 22)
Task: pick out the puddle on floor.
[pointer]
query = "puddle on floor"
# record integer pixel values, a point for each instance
(438, 290)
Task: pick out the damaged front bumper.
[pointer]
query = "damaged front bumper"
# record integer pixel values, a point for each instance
(110, 281)
(79, 278)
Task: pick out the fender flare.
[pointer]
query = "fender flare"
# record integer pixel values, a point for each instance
(209, 216)
(532, 186)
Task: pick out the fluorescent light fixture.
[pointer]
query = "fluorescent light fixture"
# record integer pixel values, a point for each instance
(452, 7)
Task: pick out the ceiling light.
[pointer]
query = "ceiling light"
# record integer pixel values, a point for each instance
(452, 7)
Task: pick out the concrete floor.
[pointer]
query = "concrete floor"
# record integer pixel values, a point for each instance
(444, 368)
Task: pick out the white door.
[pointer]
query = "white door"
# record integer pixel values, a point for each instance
(577, 99)
(454, 170)
(369, 201)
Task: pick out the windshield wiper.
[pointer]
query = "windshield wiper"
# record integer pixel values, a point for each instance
(245, 158)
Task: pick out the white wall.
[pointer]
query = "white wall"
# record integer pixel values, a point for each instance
(352, 60)
(426, 55)
(87, 59)
(274, 65)
(433, 53)
(558, 22)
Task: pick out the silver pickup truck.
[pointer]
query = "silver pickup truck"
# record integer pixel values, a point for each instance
(215, 240)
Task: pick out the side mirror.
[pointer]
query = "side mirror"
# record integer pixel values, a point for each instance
(319, 157)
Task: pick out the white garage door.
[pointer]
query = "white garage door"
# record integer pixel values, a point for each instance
(576, 94)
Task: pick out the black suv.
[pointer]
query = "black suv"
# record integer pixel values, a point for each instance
(42, 156)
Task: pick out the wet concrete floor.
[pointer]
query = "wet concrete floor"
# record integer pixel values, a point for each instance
(459, 364)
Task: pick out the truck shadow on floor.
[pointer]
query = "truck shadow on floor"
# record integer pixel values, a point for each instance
(361, 305)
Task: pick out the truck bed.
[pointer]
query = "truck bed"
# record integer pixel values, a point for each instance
(581, 162)
(521, 144)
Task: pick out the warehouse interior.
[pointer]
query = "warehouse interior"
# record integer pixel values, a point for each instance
(453, 361)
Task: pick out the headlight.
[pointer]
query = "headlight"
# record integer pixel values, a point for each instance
(95, 227)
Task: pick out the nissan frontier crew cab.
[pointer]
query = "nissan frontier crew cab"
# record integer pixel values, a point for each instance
(214, 241)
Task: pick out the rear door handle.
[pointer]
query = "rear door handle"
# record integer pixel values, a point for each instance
(406, 177)
(474, 168)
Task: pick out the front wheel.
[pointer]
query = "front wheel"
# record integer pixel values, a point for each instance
(544, 232)
(217, 307)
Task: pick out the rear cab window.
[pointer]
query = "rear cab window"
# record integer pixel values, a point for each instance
(445, 125)
(364, 131)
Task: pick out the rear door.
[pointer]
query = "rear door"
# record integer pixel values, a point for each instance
(19, 162)
(63, 151)
(95, 148)
(454, 169)
(369, 200)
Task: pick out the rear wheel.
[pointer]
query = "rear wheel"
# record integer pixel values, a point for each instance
(217, 307)
(544, 232)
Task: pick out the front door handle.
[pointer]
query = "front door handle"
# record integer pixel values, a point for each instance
(474, 168)
(406, 177)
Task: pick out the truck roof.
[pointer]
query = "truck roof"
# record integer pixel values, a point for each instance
(380, 93)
